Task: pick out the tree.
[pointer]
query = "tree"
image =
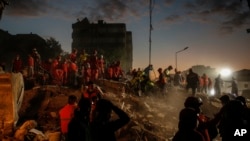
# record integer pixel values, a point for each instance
(54, 48)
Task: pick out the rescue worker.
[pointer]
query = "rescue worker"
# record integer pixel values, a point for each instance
(110, 71)
(161, 82)
(234, 117)
(195, 103)
(37, 60)
(94, 65)
(82, 64)
(65, 68)
(210, 84)
(83, 58)
(117, 71)
(101, 66)
(17, 64)
(147, 70)
(73, 55)
(93, 95)
(192, 81)
(234, 87)
(177, 78)
(102, 127)
(87, 74)
(79, 128)
(187, 126)
(56, 70)
(200, 86)
(66, 114)
(73, 70)
(205, 81)
(30, 66)
(217, 85)
(167, 73)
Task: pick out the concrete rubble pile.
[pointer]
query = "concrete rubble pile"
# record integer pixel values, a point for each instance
(152, 118)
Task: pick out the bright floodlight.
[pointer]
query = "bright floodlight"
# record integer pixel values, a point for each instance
(225, 72)
(212, 92)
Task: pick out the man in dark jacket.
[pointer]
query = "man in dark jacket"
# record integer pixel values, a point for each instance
(102, 129)
(192, 81)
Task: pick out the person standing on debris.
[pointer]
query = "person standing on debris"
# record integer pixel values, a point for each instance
(79, 128)
(57, 70)
(17, 64)
(94, 65)
(67, 113)
(178, 79)
(30, 66)
(187, 126)
(73, 55)
(210, 85)
(93, 95)
(147, 70)
(234, 118)
(73, 71)
(218, 116)
(101, 66)
(117, 71)
(87, 74)
(217, 85)
(166, 72)
(110, 71)
(65, 68)
(83, 58)
(234, 87)
(102, 128)
(37, 60)
(204, 127)
(192, 81)
(204, 79)
(161, 82)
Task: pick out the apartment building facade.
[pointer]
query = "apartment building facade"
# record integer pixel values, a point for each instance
(111, 40)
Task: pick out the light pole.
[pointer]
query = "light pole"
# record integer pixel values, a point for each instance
(176, 55)
(150, 28)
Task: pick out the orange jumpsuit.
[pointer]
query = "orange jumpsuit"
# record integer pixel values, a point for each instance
(66, 114)
(92, 96)
(17, 65)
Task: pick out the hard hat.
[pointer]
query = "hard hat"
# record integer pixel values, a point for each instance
(193, 102)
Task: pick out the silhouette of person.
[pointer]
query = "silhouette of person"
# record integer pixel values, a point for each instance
(233, 117)
(102, 128)
(78, 128)
(205, 127)
(234, 85)
(187, 126)
(192, 81)
(67, 113)
(217, 85)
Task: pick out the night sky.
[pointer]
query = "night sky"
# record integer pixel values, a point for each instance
(214, 30)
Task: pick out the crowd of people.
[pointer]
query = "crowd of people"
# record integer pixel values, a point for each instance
(227, 123)
(89, 119)
(78, 68)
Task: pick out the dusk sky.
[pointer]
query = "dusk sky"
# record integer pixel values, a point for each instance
(214, 30)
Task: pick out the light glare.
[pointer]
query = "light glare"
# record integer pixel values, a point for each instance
(225, 72)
